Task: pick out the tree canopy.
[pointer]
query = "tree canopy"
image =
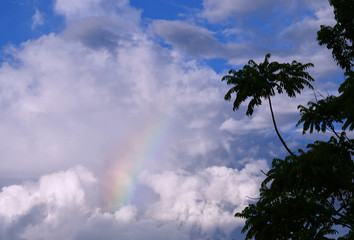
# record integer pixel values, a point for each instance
(309, 195)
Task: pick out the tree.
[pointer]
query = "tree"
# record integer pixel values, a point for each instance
(310, 195)
(305, 196)
(340, 37)
(261, 81)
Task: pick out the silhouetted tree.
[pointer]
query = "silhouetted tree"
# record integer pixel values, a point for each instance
(340, 37)
(310, 195)
(262, 81)
(305, 196)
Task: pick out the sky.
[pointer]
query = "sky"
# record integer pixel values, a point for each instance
(113, 121)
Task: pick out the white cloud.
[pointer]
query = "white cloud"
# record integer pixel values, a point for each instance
(243, 126)
(79, 7)
(68, 102)
(219, 10)
(73, 10)
(208, 197)
(60, 206)
(60, 190)
(51, 208)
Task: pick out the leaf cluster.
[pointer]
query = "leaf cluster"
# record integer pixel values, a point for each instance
(322, 114)
(261, 81)
(340, 37)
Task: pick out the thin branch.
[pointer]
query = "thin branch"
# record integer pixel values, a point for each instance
(276, 129)
(319, 93)
(331, 128)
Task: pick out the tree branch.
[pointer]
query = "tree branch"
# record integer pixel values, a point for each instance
(276, 129)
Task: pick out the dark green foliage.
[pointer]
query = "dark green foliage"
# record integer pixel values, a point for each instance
(340, 38)
(262, 81)
(305, 196)
(322, 114)
(346, 100)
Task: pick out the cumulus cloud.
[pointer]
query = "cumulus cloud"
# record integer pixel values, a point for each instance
(60, 205)
(67, 101)
(205, 194)
(70, 98)
(67, 98)
(35, 209)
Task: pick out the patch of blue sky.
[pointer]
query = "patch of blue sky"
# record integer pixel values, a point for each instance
(265, 30)
(219, 65)
(236, 234)
(331, 81)
(53, 22)
(16, 20)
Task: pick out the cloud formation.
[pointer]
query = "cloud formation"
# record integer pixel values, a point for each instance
(108, 133)
(216, 11)
(65, 205)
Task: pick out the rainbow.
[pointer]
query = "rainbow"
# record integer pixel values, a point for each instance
(134, 153)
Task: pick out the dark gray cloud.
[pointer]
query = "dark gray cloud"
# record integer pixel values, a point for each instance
(193, 40)
(198, 42)
(101, 33)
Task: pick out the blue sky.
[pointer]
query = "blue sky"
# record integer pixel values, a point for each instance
(113, 123)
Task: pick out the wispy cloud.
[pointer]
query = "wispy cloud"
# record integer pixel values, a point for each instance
(37, 19)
